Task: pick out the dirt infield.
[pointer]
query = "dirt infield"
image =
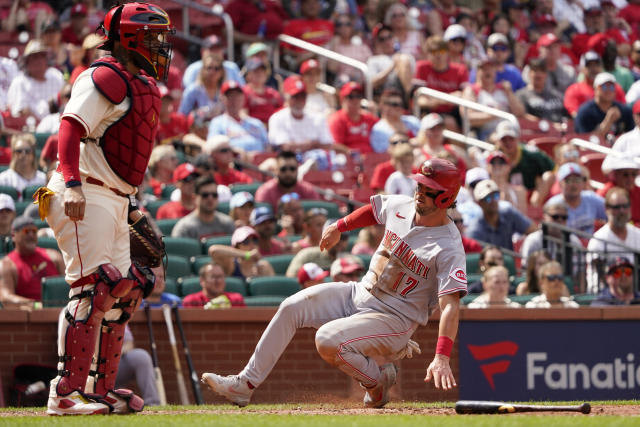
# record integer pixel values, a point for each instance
(393, 409)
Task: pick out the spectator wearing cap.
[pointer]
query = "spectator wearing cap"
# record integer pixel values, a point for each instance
(7, 214)
(440, 73)
(388, 68)
(318, 102)
(594, 23)
(465, 203)
(204, 221)
(261, 100)
(184, 177)
(264, 222)
(585, 207)
(242, 259)
(351, 125)
(347, 268)
(8, 72)
(551, 279)
(499, 170)
(262, 52)
(528, 167)
(310, 274)
(212, 46)
(540, 102)
(23, 170)
(285, 182)
(313, 254)
(240, 207)
(561, 75)
(26, 16)
(383, 170)
(622, 172)
(222, 155)
(604, 115)
(24, 267)
(499, 223)
(409, 40)
(392, 120)
(213, 290)
(313, 223)
(172, 125)
(290, 215)
(78, 27)
(309, 27)
(619, 281)
(346, 44)
(456, 37)
(431, 142)
(582, 91)
(292, 128)
(256, 20)
(245, 133)
(205, 92)
(499, 50)
(30, 92)
(606, 241)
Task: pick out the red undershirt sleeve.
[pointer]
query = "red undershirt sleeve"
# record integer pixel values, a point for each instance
(69, 150)
(361, 217)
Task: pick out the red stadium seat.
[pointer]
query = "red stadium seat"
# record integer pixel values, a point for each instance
(546, 144)
(593, 162)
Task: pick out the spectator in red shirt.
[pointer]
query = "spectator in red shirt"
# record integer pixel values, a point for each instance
(622, 173)
(351, 125)
(78, 28)
(286, 181)
(212, 282)
(383, 170)
(582, 91)
(256, 20)
(631, 15)
(172, 125)
(219, 148)
(431, 142)
(470, 245)
(263, 221)
(183, 177)
(594, 23)
(261, 100)
(439, 73)
(310, 28)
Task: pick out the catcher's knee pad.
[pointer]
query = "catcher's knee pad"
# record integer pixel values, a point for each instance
(81, 335)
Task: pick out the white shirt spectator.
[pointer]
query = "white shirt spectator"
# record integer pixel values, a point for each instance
(540, 301)
(26, 92)
(11, 178)
(49, 124)
(399, 183)
(8, 72)
(285, 129)
(483, 302)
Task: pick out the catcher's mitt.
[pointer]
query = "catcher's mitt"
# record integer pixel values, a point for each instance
(147, 248)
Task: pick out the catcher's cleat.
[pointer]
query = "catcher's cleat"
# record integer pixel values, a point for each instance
(230, 387)
(76, 403)
(377, 396)
(123, 401)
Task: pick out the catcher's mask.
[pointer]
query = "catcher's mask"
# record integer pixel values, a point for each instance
(141, 28)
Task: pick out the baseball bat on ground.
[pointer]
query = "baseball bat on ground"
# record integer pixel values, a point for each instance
(195, 384)
(154, 357)
(182, 388)
(486, 407)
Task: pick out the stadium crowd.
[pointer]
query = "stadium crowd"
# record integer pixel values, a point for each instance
(246, 152)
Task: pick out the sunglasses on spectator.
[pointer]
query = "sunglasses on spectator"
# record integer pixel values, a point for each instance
(286, 198)
(575, 179)
(385, 38)
(393, 104)
(399, 141)
(494, 197)
(214, 67)
(621, 271)
(457, 221)
(23, 151)
(459, 40)
(206, 194)
(559, 217)
(355, 95)
(343, 24)
(554, 277)
(620, 206)
(608, 87)
(317, 211)
(248, 240)
(500, 48)
(189, 178)
(628, 174)
(288, 169)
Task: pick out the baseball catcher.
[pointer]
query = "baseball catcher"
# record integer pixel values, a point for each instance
(364, 326)
(105, 140)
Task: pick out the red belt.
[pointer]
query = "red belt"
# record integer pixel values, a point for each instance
(95, 181)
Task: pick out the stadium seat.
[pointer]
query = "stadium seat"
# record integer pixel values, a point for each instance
(522, 299)
(235, 284)
(27, 193)
(273, 285)
(468, 298)
(6, 189)
(166, 225)
(332, 208)
(220, 240)
(197, 262)
(48, 242)
(177, 266)
(40, 223)
(188, 285)
(166, 192)
(41, 139)
(264, 301)
(183, 246)
(55, 291)
(593, 162)
(473, 267)
(153, 206)
(223, 207)
(280, 263)
(6, 244)
(546, 144)
(170, 286)
(251, 188)
(584, 299)
(21, 206)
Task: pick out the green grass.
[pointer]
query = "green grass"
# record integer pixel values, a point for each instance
(254, 416)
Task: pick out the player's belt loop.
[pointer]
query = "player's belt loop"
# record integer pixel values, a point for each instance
(94, 181)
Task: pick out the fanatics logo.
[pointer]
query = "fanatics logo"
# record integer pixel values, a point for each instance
(491, 351)
(459, 275)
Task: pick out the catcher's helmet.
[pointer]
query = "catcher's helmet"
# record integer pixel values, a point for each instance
(441, 175)
(143, 29)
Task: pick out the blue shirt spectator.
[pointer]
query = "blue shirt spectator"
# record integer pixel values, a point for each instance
(382, 131)
(166, 298)
(231, 71)
(582, 217)
(248, 134)
(510, 73)
(196, 97)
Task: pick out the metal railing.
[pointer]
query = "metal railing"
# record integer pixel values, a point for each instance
(325, 53)
(216, 10)
(588, 145)
(467, 104)
(467, 140)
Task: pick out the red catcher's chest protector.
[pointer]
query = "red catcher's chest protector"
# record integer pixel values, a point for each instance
(128, 142)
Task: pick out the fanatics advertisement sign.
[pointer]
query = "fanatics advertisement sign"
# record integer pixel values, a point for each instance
(549, 360)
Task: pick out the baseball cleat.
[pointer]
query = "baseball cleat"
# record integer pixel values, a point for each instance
(230, 387)
(377, 397)
(123, 401)
(76, 403)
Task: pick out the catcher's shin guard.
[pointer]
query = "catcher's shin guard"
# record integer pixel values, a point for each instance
(80, 336)
(111, 341)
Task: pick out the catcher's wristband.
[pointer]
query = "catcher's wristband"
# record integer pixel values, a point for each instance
(444, 346)
(72, 183)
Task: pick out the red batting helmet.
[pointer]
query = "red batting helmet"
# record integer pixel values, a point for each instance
(141, 28)
(441, 175)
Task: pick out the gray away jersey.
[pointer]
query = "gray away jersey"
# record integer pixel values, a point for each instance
(414, 265)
